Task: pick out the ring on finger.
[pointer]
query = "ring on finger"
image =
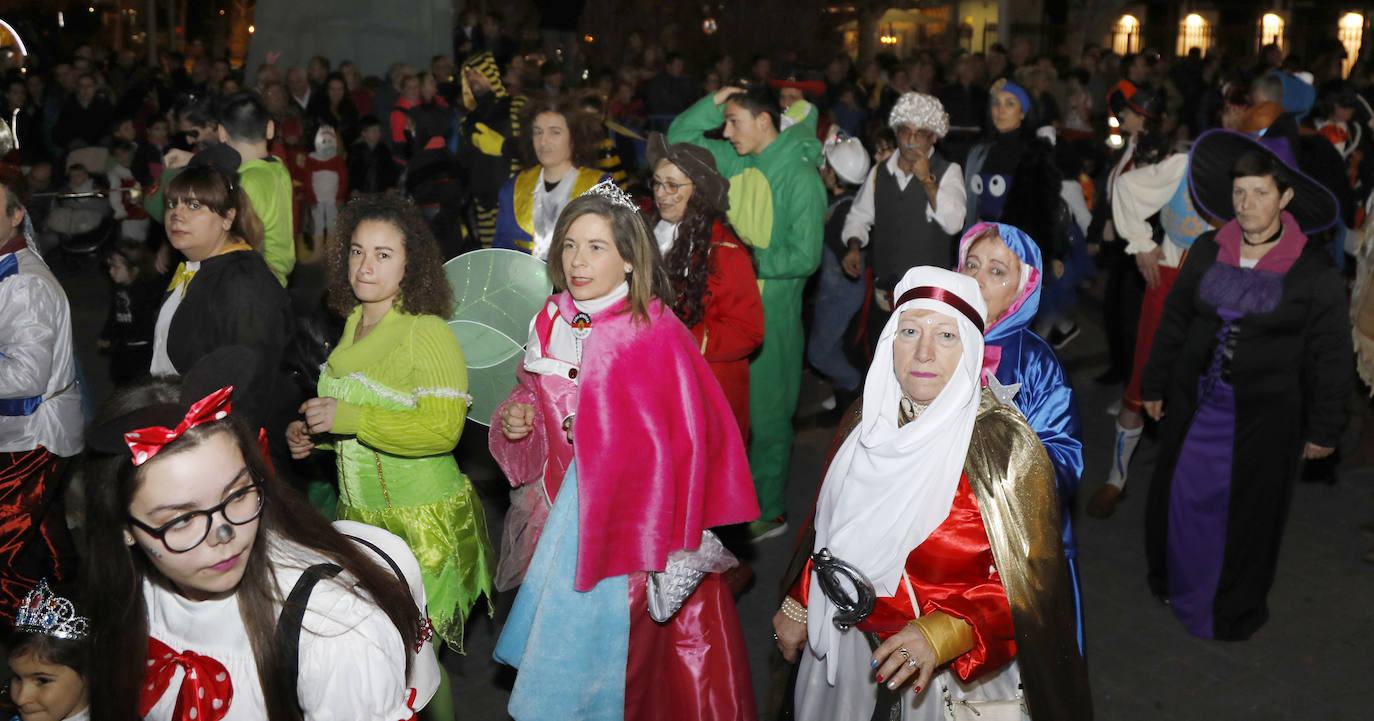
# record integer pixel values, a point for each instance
(905, 653)
(912, 663)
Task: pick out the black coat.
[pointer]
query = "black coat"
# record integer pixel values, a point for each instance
(485, 174)
(1291, 373)
(234, 299)
(89, 125)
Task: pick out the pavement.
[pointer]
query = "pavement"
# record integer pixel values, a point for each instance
(1313, 660)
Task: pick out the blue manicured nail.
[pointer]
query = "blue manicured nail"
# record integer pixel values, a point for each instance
(873, 663)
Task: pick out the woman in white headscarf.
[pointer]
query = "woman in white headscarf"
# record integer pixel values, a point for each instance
(943, 498)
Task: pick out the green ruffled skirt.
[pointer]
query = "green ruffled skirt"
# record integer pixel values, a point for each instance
(430, 504)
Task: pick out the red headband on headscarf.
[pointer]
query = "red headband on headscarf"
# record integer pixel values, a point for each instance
(944, 296)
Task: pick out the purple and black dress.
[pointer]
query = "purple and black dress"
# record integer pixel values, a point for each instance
(1252, 362)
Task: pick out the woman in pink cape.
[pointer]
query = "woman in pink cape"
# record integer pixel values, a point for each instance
(623, 451)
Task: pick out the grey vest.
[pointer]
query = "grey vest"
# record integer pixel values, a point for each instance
(902, 236)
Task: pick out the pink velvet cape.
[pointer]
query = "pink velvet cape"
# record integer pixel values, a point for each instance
(659, 455)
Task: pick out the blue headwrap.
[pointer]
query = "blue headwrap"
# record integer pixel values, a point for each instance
(1007, 86)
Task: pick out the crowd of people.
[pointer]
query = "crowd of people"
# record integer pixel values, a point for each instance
(274, 521)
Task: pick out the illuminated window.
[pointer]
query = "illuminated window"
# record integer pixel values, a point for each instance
(1126, 35)
(1351, 33)
(1194, 32)
(1271, 31)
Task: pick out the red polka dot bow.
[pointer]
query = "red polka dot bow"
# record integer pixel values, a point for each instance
(144, 443)
(205, 689)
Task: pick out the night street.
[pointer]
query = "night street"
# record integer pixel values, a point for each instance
(1311, 661)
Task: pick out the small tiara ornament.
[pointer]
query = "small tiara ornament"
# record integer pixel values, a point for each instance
(47, 613)
(610, 191)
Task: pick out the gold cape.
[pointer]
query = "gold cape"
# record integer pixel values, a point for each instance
(1012, 478)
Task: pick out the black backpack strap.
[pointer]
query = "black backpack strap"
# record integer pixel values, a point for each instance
(289, 623)
(375, 549)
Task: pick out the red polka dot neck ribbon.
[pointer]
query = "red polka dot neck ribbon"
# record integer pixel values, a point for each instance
(206, 689)
(144, 443)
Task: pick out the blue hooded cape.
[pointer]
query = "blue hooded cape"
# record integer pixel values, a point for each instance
(1046, 399)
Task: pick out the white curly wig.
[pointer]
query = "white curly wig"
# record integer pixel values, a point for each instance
(920, 111)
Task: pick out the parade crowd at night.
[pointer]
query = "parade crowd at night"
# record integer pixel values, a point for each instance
(250, 498)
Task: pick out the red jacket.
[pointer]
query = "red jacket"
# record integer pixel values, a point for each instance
(732, 327)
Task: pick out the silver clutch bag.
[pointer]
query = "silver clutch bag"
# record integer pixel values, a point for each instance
(670, 588)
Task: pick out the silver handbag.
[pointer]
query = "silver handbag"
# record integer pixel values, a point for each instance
(670, 588)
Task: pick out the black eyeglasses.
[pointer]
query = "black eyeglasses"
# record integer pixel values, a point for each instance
(187, 531)
(671, 188)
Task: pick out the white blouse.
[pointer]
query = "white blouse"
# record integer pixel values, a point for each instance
(352, 661)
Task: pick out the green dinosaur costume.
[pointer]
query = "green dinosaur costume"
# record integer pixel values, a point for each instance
(777, 204)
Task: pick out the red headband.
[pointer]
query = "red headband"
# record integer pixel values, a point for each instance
(144, 443)
(944, 296)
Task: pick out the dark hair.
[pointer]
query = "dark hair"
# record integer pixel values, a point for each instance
(368, 121)
(431, 121)
(584, 130)
(336, 76)
(885, 134)
(690, 262)
(1254, 163)
(648, 279)
(759, 100)
(244, 117)
(424, 287)
(118, 121)
(135, 254)
(113, 573)
(220, 191)
(197, 109)
(47, 649)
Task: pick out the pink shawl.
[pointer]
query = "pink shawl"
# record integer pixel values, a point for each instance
(1277, 260)
(659, 455)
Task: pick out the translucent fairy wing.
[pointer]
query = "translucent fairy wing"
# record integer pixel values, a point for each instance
(495, 292)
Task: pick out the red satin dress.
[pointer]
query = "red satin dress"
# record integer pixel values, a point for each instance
(952, 571)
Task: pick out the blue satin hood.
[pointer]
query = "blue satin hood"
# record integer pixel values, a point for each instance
(1022, 312)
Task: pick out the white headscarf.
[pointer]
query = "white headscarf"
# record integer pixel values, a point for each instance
(888, 488)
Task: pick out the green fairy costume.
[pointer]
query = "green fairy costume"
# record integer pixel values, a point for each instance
(402, 399)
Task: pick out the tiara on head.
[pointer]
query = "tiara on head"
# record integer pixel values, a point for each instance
(47, 613)
(610, 191)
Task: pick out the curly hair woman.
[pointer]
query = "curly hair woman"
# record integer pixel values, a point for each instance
(559, 145)
(392, 401)
(716, 293)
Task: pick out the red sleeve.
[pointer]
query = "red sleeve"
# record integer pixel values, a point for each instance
(733, 322)
(398, 126)
(953, 571)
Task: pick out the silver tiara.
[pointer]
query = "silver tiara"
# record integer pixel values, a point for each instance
(610, 191)
(50, 614)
